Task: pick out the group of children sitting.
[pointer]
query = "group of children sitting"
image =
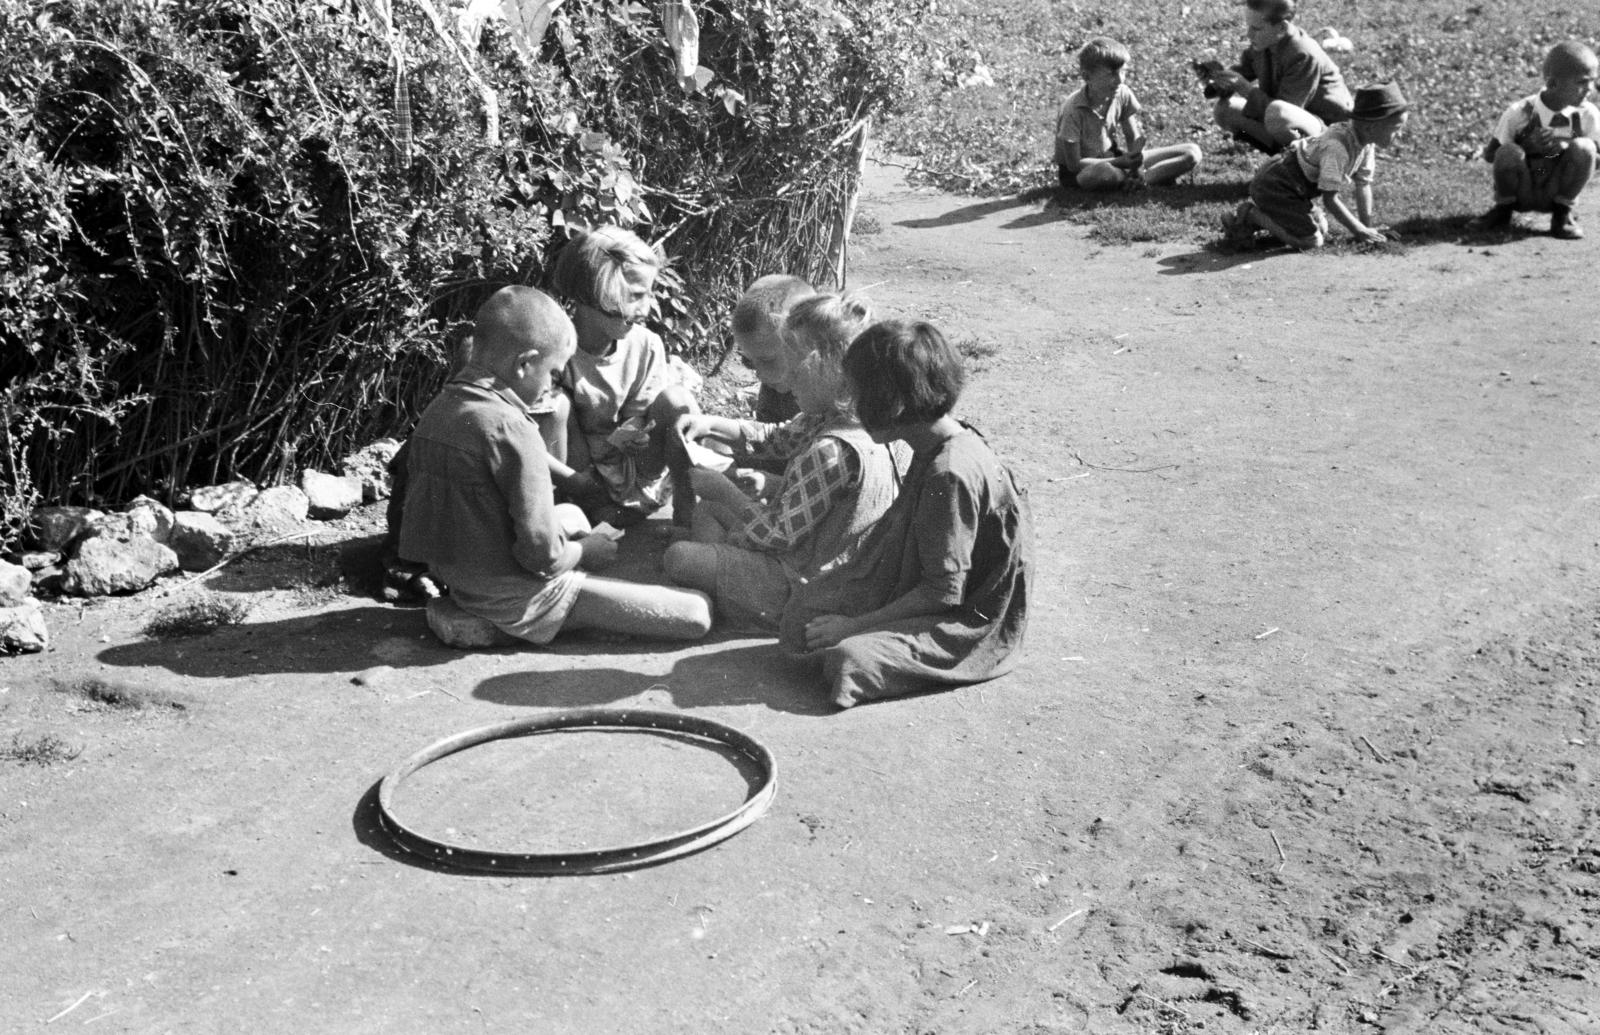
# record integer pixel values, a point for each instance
(855, 517)
(1286, 97)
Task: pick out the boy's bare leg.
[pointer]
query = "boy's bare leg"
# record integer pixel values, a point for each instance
(691, 564)
(1229, 113)
(1285, 123)
(1574, 169)
(634, 609)
(1513, 183)
(665, 449)
(1162, 165)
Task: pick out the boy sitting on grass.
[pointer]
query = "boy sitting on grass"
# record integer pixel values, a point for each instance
(1286, 190)
(1087, 153)
(1544, 146)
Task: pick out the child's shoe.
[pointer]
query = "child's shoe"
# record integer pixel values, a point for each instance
(1497, 218)
(1238, 229)
(1564, 224)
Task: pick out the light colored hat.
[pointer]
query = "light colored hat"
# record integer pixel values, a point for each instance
(1379, 101)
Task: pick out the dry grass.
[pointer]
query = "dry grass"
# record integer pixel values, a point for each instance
(46, 749)
(102, 695)
(203, 614)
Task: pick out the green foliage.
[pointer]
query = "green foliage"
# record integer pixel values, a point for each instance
(223, 252)
(1460, 65)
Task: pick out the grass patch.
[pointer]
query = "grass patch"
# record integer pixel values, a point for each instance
(1460, 66)
(122, 697)
(47, 749)
(203, 614)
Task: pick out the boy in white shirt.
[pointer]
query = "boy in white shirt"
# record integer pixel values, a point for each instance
(1285, 192)
(1544, 145)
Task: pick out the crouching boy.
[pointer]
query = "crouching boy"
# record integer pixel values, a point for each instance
(1543, 148)
(479, 507)
(1286, 191)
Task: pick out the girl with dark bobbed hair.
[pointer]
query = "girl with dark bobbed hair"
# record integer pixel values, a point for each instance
(937, 596)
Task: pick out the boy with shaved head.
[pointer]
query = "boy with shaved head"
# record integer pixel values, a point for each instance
(479, 507)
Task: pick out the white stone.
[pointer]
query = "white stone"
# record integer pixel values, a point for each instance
(457, 628)
(120, 527)
(37, 559)
(212, 498)
(22, 628)
(103, 566)
(15, 581)
(57, 528)
(370, 464)
(279, 509)
(330, 496)
(200, 540)
(151, 517)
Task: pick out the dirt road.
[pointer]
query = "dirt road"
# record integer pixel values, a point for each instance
(1305, 740)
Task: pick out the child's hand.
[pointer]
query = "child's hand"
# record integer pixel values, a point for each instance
(751, 482)
(1228, 82)
(598, 552)
(827, 630)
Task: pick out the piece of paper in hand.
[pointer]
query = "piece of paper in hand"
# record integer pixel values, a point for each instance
(707, 459)
(632, 434)
(605, 530)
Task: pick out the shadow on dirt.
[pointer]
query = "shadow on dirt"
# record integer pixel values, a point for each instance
(757, 674)
(973, 213)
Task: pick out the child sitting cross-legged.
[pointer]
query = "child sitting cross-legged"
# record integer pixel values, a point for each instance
(748, 554)
(623, 400)
(479, 510)
(937, 595)
(1087, 152)
(1292, 190)
(1544, 146)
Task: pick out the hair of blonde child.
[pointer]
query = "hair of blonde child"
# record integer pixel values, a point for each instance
(1102, 52)
(817, 334)
(766, 303)
(588, 270)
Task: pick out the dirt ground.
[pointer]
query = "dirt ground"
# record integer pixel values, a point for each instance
(1305, 738)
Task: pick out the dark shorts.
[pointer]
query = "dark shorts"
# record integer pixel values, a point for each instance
(1282, 192)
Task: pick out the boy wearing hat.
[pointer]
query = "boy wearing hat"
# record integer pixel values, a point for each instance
(1286, 189)
(1544, 146)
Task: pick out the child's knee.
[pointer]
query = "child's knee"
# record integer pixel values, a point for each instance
(1190, 156)
(1583, 151)
(673, 401)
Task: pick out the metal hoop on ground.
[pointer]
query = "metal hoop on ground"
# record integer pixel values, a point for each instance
(595, 860)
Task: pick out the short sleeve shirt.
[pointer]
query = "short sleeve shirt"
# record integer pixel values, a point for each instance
(1334, 159)
(1579, 120)
(1094, 131)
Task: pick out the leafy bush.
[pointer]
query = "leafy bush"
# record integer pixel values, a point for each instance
(224, 251)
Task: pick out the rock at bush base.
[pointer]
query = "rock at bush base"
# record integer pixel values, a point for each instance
(212, 498)
(200, 540)
(103, 566)
(330, 496)
(15, 581)
(278, 509)
(22, 629)
(151, 517)
(370, 464)
(37, 559)
(56, 528)
(457, 628)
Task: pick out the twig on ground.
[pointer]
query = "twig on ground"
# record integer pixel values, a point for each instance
(1379, 755)
(1267, 950)
(1283, 860)
(1069, 916)
(1125, 470)
(81, 1000)
(1337, 961)
(1269, 632)
(253, 547)
(965, 987)
(1164, 1004)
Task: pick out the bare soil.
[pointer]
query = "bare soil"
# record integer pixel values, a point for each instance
(1305, 740)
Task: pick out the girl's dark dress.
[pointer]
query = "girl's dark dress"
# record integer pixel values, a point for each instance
(959, 527)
